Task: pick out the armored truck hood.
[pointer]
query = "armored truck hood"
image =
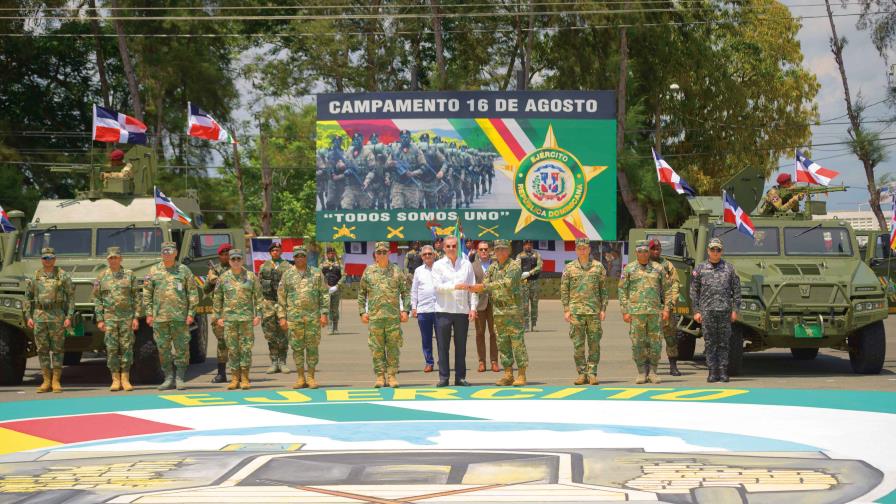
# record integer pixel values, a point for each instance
(846, 271)
(106, 210)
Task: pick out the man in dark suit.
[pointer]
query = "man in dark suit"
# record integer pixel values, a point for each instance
(485, 318)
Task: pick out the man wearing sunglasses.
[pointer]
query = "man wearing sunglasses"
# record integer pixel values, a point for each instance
(170, 297)
(383, 303)
(455, 308)
(715, 294)
(49, 307)
(423, 303)
(215, 272)
(116, 311)
(485, 318)
(238, 308)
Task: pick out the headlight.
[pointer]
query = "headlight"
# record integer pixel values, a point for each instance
(7, 302)
(18, 305)
(869, 306)
(743, 305)
(754, 307)
(860, 307)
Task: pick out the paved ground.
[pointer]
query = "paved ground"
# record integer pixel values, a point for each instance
(345, 362)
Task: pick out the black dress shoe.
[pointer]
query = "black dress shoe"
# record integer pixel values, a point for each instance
(461, 383)
(442, 383)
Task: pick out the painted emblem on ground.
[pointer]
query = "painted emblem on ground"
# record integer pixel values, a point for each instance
(478, 444)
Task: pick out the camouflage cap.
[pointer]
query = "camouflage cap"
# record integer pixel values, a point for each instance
(381, 245)
(235, 253)
(169, 245)
(715, 243)
(113, 252)
(502, 244)
(583, 242)
(274, 245)
(299, 250)
(48, 252)
(642, 245)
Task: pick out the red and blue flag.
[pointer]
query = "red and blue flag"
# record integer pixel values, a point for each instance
(167, 210)
(5, 224)
(667, 175)
(110, 126)
(734, 214)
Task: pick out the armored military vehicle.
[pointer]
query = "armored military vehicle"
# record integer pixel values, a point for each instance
(805, 284)
(115, 211)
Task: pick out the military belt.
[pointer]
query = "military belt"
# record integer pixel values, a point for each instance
(49, 306)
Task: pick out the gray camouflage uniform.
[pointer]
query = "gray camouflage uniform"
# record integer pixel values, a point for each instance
(715, 293)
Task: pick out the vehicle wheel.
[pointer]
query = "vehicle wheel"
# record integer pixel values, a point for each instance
(686, 344)
(71, 358)
(736, 350)
(146, 367)
(867, 348)
(199, 340)
(12, 355)
(804, 353)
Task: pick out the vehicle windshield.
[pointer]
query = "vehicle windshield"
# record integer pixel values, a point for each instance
(131, 240)
(829, 241)
(764, 241)
(64, 241)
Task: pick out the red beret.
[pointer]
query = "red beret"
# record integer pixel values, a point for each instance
(784, 178)
(116, 155)
(654, 243)
(224, 248)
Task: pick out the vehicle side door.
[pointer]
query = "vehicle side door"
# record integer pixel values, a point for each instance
(882, 260)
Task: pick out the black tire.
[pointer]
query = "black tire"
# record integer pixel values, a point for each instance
(804, 353)
(686, 344)
(146, 368)
(867, 348)
(736, 350)
(12, 355)
(71, 358)
(199, 340)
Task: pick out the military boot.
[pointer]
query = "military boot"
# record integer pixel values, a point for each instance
(275, 366)
(168, 383)
(651, 375)
(300, 380)
(391, 380)
(673, 367)
(520, 377)
(712, 376)
(116, 382)
(723, 374)
(312, 383)
(221, 377)
(592, 380)
(57, 380)
(581, 380)
(283, 367)
(48, 381)
(234, 380)
(335, 326)
(244, 378)
(642, 375)
(126, 381)
(507, 380)
(179, 378)
(380, 382)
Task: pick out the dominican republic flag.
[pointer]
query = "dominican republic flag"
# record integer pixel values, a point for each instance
(110, 126)
(167, 210)
(893, 229)
(201, 124)
(667, 175)
(5, 225)
(812, 172)
(734, 214)
(258, 247)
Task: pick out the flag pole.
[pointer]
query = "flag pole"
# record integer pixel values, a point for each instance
(663, 203)
(239, 185)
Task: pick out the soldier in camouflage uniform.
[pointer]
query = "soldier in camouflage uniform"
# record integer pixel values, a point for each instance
(117, 310)
(433, 173)
(270, 274)
(781, 198)
(715, 298)
(669, 330)
(335, 169)
(645, 303)
(583, 293)
(378, 182)
(214, 273)
(49, 307)
(384, 302)
(331, 268)
(412, 261)
(356, 166)
(531, 264)
(302, 306)
(237, 308)
(322, 177)
(502, 282)
(170, 297)
(406, 192)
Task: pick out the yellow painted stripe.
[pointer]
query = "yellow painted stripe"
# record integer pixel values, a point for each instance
(562, 230)
(497, 141)
(13, 441)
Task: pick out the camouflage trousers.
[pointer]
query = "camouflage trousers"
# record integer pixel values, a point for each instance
(240, 339)
(304, 338)
(334, 193)
(222, 342)
(669, 334)
(405, 195)
(119, 345)
(354, 197)
(172, 337)
(647, 340)
(49, 337)
(585, 331)
(530, 302)
(511, 343)
(385, 342)
(278, 341)
(334, 306)
(716, 327)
